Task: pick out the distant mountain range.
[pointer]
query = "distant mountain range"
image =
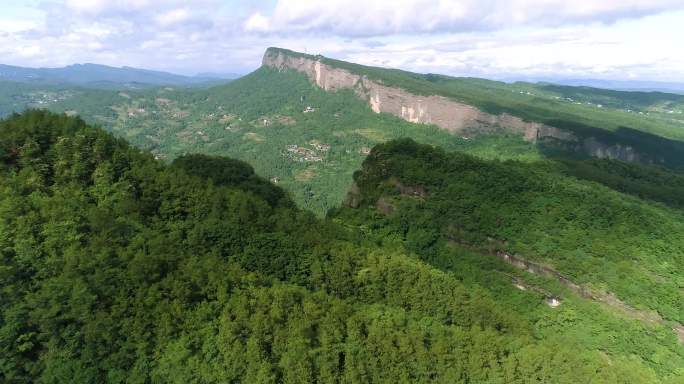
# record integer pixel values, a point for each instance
(617, 85)
(627, 85)
(102, 76)
(219, 75)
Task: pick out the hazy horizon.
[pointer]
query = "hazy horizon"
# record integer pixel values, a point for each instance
(627, 40)
(677, 87)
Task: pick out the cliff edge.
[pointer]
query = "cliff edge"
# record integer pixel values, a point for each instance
(443, 112)
(446, 113)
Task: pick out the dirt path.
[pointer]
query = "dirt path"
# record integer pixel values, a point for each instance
(607, 298)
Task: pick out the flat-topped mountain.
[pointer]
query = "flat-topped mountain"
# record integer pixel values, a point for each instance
(307, 122)
(479, 241)
(436, 109)
(470, 106)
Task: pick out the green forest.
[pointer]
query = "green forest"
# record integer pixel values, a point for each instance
(611, 241)
(578, 109)
(264, 119)
(117, 267)
(260, 119)
(268, 231)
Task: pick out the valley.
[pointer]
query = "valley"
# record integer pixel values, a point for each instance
(341, 192)
(322, 221)
(202, 269)
(262, 116)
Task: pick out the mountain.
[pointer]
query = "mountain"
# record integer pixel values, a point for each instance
(99, 76)
(216, 75)
(620, 85)
(580, 232)
(474, 105)
(262, 118)
(116, 267)
(309, 129)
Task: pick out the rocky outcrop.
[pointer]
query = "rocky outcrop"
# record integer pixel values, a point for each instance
(679, 330)
(353, 198)
(598, 149)
(438, 110)
(408, 190)
(441, 111)
(607, 298)
(385, 206)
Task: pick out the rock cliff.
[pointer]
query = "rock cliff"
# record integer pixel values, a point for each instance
(441, 111)
(438, 110)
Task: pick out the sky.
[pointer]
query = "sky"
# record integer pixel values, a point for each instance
(598, 39)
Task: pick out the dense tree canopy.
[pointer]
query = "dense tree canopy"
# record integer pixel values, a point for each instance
(117, 268)
(589, 232)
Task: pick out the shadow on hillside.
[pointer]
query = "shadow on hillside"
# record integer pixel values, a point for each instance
(658, 174)
(648, 148)
(636, 98)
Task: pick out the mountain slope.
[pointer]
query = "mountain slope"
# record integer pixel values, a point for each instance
(118, 268)
(475, 105)
(617, 85)
(262, 118)
(310, 140)
(603, 241)
(98, 76)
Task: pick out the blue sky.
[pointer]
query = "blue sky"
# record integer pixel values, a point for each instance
(608, 39)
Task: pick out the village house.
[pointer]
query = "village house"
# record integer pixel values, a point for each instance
(320, 146)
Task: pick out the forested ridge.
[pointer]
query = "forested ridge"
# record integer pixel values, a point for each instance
(261, 119)
(581, 110)
(595, 235)
(118, 268)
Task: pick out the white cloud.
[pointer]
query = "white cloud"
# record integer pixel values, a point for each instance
(29, 51)
(592, 51)
(97, 7)
(492, 38)
(173, 16)
(9, 26)
(373, 18)
(257, 23)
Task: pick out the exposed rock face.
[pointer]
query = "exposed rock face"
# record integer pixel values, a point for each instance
(441, 111)
(438, 110)
(679, 330)
(408, 190)
(607, 298)
(384, 206)
(621, 152)
(353, 199)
